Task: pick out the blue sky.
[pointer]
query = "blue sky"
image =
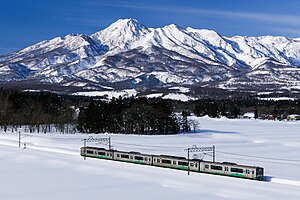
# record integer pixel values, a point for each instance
(25, 22)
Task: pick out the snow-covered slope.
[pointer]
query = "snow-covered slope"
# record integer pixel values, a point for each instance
(51, 167)
(127, 54)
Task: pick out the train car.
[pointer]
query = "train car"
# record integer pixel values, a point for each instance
(232, 169)
(134, 157)
(97, 153)
(175, 162)
(139, 158)
(195, 164)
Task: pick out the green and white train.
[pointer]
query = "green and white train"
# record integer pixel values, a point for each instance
(175, 162)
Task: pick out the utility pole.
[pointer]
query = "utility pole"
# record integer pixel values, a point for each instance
(188, 150)
(19, 139)
(109, 143)
(214, 153)
(84, 144)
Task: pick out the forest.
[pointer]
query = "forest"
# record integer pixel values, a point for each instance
(38, 111)
(46, 112)
(129, 116)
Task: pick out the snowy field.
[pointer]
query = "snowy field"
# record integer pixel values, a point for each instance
(51, 167)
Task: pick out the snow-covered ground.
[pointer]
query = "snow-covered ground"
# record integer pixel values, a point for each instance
(278, 99)
(51, 167)
(110, 93)
(180, 97)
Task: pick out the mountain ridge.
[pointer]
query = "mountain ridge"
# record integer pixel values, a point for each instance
(127, 54)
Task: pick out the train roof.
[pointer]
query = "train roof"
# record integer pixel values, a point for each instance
(196, 159)
(97, 148)
(174, 157)
(229, 164)
(133, 152)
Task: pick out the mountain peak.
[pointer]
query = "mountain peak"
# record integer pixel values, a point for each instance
(119, 33)
(129, 22)
(173, 26)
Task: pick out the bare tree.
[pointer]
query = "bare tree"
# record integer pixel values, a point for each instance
(195, 124)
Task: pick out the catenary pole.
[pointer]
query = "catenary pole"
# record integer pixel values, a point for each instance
(214, 153)
(84, 144)
(109, 144)
(19, 139)
(188, 161)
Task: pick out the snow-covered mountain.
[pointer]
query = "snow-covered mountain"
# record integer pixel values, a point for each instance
(127, 54)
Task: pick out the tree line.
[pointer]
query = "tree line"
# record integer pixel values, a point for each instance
(45, 112)
(39, 111)
(233, 108)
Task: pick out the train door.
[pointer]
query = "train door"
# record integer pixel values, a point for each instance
(226, 170)
(248, 173)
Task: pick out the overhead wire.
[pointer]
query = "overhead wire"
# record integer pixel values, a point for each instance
(154, 146)
(266, 159)
(251, 156)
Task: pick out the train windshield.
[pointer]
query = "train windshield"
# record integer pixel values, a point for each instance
(259, 171)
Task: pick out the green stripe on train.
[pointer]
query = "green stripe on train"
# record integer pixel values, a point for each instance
(139, 162)
(237, 175)
(173, 167)
(234, 175)
(101, 157)
(182, 167)
(218, 173)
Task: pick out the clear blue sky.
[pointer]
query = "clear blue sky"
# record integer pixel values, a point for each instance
(25, 22)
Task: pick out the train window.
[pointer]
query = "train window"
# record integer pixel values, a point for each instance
(206, 166)
(124, 156)
(259, 171)
(192, 164)
(252, 172)
(247, 171)
(89, 152)
(182, 163)
(100, 153)
(131, 157)
(158, 160)
(196, 165)
(237, 170)
(138, 158)
(166, 161)
(174, 162)
(216, 167)
(118, 155)
(111, 154)
(226, 168)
